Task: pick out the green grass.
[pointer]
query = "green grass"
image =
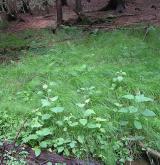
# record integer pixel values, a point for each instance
(3, 25)
(92, 60)
(9, 41)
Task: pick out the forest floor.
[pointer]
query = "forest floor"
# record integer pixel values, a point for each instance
(102, 87)
(87, 95)
(137, 11)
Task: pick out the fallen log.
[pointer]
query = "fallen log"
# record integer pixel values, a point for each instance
(150, 151)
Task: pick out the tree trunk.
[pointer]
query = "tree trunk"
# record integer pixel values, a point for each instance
(59, 12)
(11, 10)
(25, 7)
(64, 3)
(78, 6)
(118, 5)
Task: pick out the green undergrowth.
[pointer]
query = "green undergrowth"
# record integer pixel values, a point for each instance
(3, 25)
(11, 41)
(92, 96)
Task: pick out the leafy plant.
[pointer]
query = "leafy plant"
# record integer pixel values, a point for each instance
(118, 80)
(48, 119)
(136, 112)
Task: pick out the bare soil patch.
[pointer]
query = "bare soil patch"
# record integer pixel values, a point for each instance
(137, 11)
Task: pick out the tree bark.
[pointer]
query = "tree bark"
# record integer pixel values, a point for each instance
(11, 9)
(78, 6)
(25, 7)
(59, 12)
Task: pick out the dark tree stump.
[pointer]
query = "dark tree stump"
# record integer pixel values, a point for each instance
(64, 3)
(118, 5)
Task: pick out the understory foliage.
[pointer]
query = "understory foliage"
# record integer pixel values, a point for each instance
(78, 135)
(51, 118)
(90, 99)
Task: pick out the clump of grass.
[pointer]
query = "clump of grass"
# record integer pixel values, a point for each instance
(11, 41)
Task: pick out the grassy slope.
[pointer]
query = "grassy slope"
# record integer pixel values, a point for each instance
(92, 61)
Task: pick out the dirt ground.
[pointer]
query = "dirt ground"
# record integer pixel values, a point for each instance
(51, 157)
(137, 11)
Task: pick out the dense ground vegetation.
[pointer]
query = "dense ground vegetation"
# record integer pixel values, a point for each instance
(92, 96)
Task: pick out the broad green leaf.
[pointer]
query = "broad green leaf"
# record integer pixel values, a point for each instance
(37, 151)
(80, 105)
(66, 152)
(102, 130)
(123, 110)
(35, 123)
(1, 143)
(98, 125)
(89, 112)
(115, 79)
(66, 118)
(92, 87)
(60, 149)
(142, 98)
(34, 83)
(54, 98)
(49, 163)
(65, 129)
(93, 125)
(45, 103)
(118, 105)
(60, 141)
(73, 124)
(123, 73)
(52, 83)
(82, 68)
(120, 78)
(43, 144)
(137, 124)
(123, 123)
(39, 93)
(49, 90)
(148, 113)
(122, 160)
(129, 159)
(59, 123)
(72, 144)
(129, 97)
(87, 101)
(132, 109)
(30, 137)
(57, 109)
(46, 116)
(135, 138)
(44, 132)
(83, 121)
(45, 86)
(33, 137)
(80, 139)
(98, 119)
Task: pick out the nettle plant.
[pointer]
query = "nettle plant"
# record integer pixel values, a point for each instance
(132, 111)
(136, 110)
(52, 127)
(133, 108)
(118, 80)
